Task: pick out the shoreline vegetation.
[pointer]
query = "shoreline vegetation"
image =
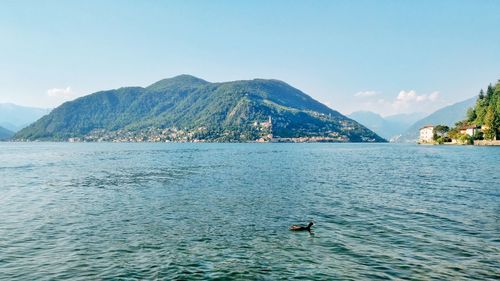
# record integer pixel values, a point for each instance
(481, 126)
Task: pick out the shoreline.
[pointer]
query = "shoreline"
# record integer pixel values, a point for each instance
(176, 142)
(487, 142)
(476, 143)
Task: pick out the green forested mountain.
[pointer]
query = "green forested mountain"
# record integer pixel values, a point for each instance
(231, 111)
(486, 112)
(5, 134)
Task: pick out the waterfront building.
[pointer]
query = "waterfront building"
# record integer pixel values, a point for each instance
(426, 134)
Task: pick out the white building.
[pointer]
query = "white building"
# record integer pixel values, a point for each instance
(470, 130)
(426, 134)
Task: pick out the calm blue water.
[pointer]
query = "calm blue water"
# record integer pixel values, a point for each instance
(209, 211)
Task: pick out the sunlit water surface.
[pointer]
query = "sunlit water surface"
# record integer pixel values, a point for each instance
(208, 211)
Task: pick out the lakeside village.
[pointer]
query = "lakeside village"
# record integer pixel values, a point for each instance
(258, 132)
(481, 126)
(460, 135)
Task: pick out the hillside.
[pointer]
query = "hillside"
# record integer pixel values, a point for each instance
(448, 116)
(15, 117)
(387, 127)
(191, 109)
(486, 112)
(5, 134)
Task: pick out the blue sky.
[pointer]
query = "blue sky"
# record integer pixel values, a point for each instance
(385, 56)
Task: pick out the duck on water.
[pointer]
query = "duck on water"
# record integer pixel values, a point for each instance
(296, 227)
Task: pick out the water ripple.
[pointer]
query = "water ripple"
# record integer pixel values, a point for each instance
(222, 211)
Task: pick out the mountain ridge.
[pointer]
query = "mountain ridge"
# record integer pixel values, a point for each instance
(447, 115)
(388, 127)
(5, 134)
(222, 111)
(15, 117)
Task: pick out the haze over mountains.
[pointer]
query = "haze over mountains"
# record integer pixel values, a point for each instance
(5, 134)
(447, 115)
(230, 111)
(387, 127)
(15, 117)
(405, 127)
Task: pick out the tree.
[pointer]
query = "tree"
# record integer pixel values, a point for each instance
(489, 94)
(440, 133)
(480, 111)
(466, 139)
(454, 133)
(496, 105)
(441, 129)
(478, 135)
(490, 132)
(485, 113)
(471, 114)
(461, 123)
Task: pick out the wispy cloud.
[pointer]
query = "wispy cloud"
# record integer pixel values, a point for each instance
(61, 93)
(366, 94)
(406, 101)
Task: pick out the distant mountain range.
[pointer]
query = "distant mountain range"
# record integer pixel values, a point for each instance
(5, 134)
(189, 108)
(15, 117)
(448, 116)
(388, 127)
(406, 127)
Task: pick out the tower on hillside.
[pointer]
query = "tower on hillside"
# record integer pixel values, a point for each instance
(270, 135)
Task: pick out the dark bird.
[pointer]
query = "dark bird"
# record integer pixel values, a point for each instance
(296, 227)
